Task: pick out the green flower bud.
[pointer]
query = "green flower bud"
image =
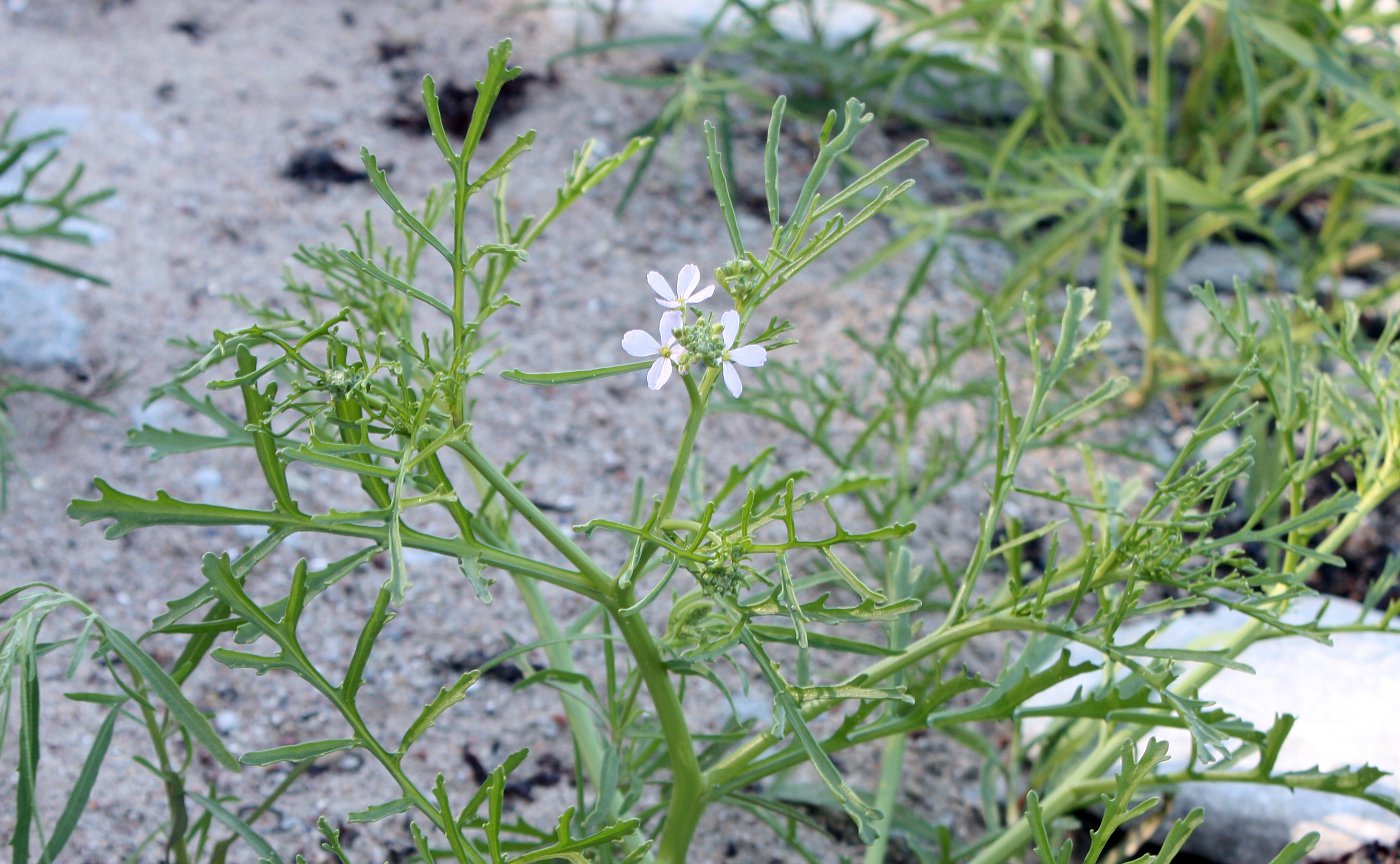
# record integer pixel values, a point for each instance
(739, 278)
(340, 381)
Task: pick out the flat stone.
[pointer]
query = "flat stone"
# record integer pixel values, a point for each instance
(1346, 698)
(38, 327)
(1221, 263)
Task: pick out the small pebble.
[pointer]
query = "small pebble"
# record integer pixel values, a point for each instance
(208, 481)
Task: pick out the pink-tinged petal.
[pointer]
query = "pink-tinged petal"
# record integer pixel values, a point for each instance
(749, 355)
(731, 380)
(670, 323)
(659, 284)
(640, 343)
(702, 295)
(659, 373)
(729, 324)
(686, 281)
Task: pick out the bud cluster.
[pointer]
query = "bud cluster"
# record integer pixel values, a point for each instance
(723, 573)
(340, 381)
(703, 341)
(739, 278)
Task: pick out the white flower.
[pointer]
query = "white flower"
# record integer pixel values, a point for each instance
(749, 355)
(685, 294)
(668, 354)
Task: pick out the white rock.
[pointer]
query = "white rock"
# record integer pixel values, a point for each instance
(1346, 699)
(1345, 288)
(38, 326)
(1221, 263)
(226, 722)
(1384, 216)
(209, 482)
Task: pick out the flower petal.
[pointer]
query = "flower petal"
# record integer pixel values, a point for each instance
(640, 343)
(659, 284)
(686, 281)
(749, 355)
(670, 323)
(729, 322)
(731, 380)
(702, 295)
(659, 373)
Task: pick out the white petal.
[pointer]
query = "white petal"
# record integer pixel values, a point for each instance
(729, 322)
(659, 284)
(670, 323)
(659, 373)
(686, 281)
(640, 343)
(749, 355)
(702, 295)
(669, 304)
(731, 380)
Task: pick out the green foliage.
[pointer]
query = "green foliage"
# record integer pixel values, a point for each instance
(809, 581)
(1117, 137)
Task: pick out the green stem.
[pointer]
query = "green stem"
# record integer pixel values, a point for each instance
(459, 267)
(1158, 258)
(601, 587)
(892, 754)
(724, 771)
(457, 398)
(171, 779)
(699, 398)
(686, 800)
(891, 772)
(364, 737)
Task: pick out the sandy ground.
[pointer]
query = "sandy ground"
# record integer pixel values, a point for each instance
(192, 112)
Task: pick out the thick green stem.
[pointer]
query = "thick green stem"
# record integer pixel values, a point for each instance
(686, 801)
(892, 754)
